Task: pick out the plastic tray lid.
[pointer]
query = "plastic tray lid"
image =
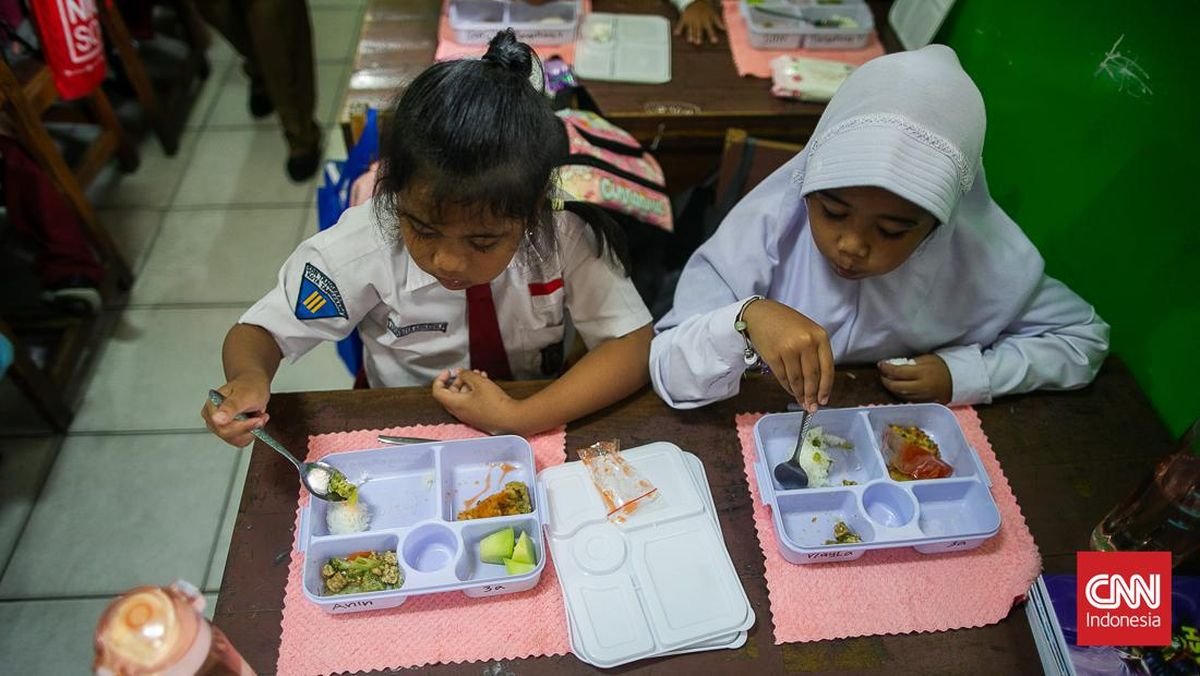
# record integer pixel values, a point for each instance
(624, 48)
(661, 582)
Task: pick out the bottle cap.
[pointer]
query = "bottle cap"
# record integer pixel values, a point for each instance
(145, 631)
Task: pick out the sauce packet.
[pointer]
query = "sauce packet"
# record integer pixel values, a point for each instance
(621, 486)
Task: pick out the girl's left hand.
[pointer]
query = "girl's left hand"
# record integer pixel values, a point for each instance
(473, 398)
(697, 20)
(927, 380)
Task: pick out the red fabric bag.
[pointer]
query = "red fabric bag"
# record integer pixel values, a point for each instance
(73, 44)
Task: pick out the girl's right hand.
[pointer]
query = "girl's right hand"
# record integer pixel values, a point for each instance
(245, 394)
(795, 348)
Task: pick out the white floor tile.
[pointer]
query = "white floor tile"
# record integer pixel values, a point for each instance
(335, 32)
(152, 185)
(231, 108)
(134, 230)
(220, 51)
(241, 167)
(23, 467)
(226, 256)
(212, 90)
(119, 511)
(50, 638)
(155, 370)
(320, 369)
(217, 569)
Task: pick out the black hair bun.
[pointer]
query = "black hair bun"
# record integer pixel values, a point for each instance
(510, 54)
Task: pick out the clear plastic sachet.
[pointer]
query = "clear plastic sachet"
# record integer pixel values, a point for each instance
(623, 489)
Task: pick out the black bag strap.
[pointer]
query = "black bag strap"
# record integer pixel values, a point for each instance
(733, 189)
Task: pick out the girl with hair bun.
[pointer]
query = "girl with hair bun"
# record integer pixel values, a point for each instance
(467, 266)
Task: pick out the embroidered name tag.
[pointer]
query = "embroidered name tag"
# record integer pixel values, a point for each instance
(402, 331)
(319, 297)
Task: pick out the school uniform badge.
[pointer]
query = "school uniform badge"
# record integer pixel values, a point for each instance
(319, 297)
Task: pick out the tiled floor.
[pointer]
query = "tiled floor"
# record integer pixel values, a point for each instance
(138, 492)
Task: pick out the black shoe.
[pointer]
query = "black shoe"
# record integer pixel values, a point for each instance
(260, 104)
(75, 295)
(304, 166)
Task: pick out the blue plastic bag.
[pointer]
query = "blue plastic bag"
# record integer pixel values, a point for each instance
(333, 198)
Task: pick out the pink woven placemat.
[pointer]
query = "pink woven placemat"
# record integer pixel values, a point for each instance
(428, 629)
(898, 591)
(447, 48)
(757, 62)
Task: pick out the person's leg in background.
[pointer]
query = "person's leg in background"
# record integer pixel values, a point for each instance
(283, 50)
(274, 38)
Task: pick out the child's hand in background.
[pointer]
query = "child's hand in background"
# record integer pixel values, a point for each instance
(473, 398)
(245, 394)
(926, 380)
(795, 348)
(698, 20)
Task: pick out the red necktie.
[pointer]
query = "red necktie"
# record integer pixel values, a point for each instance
(486, 344)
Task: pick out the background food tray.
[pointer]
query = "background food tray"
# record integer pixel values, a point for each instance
(933, 515)
(414, 494)
(769, 29)
(475, 22)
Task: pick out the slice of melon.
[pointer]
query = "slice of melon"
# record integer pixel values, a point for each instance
(523, 551)
(518, 567)
(497, 547)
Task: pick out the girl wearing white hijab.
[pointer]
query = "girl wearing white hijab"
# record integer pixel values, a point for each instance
(878, 241)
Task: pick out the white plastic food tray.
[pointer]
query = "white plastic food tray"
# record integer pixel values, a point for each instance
(769, 29)
(624, 48)
(414, 494)
(954, 513)
(662, 582)
(475, 22)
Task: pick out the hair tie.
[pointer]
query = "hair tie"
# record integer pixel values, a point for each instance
(556, 204)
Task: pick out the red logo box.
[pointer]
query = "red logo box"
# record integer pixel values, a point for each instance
(1123, 598)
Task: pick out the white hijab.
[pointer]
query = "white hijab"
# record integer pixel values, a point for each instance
(912, 123)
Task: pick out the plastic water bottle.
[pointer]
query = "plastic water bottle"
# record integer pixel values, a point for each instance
(163, 631)
(1163, 514)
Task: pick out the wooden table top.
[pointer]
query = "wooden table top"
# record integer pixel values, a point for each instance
(1069, 457)
(703, 98)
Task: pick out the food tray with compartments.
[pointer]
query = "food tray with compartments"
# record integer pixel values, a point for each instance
(949, 514)
(414, 494)
(789, 24)
(475, 22)
(660, 583)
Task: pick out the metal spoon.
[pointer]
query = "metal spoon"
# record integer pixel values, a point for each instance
(790, 474)
(306, 469)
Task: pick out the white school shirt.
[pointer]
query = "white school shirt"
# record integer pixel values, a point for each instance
(353, 275)
(974, 292)
(996, 338)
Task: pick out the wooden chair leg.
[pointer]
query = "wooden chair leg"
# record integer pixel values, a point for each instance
(135, 70)
(127, 154)
(41, 390)
(39, 144)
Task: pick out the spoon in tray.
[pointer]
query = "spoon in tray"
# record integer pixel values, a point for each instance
(317, 477)
(789, 473)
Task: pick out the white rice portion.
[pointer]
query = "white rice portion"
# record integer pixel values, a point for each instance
(344, 518)
(816, 455)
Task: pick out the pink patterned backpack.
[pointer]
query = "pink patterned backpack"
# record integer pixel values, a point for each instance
(608, 167)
